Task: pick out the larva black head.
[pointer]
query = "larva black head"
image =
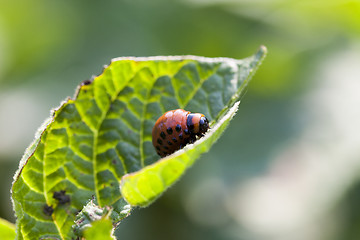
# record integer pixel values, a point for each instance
(203, 124)
(197, 123)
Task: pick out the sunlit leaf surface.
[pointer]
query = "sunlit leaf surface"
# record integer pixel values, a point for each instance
(100, 230)
(7, 230)
(92, 141)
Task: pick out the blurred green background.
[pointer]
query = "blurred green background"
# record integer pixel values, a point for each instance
(287, 168)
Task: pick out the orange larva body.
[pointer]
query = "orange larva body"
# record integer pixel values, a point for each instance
(175, 129)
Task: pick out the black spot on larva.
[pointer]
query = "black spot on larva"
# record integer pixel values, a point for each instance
(48, 210)
(61, 197)
(169, 130)
(166, 147)
(170, 143)
(174, 139)
(158, 147)
(159, 141)
(189, 121)
(165, 153)
(180, 136)
(178, 128)
(162, 134)
(186, 131)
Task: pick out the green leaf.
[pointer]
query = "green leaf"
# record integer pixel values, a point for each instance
(104, 133)
(100, 230)
(92, 213)
(7, 230)
(94, 223)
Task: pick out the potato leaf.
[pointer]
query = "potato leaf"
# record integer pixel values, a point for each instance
(101, 139)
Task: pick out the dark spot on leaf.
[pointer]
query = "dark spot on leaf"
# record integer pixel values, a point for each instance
(48, 210)
(86, 82)
(162, 134)
(61, 197)
(169, 130)
(113, 161)
(178, 128)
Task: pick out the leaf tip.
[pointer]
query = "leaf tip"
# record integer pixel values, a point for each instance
(261, 53)
(263, 49)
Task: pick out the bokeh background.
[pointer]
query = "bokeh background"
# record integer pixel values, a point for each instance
(287, 168)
